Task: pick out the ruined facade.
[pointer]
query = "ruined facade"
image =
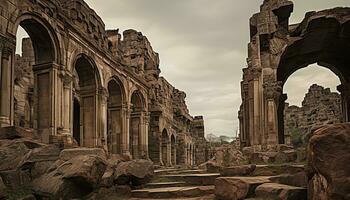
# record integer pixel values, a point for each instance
(79, 83)
(278, 49)
(319, 107)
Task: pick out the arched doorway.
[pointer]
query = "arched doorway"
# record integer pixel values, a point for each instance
(173, 150)
(164, 146)
(114, 117)
(312, 101)
(136, 126)
(86, 90)
(331, 52)
(37, 77)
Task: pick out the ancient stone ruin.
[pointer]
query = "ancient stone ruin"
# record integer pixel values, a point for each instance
(319, 107)
(85, 114)
(278, 49)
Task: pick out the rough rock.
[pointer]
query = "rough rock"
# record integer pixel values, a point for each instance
(225, 156)
(234, 188)
(242, 170)
(12, 153)
(3, 192)
(298, 179)
(328, 162)
(14, 132)
(37, 161)
(281, 192)
(273, 170)
(136, 172)
(75, 178)
(68, 154)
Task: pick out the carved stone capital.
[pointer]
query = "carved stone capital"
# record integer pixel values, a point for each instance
(273, 90)
(66, 77)
(252, 73)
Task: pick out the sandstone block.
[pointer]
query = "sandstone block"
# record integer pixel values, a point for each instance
(234, 188)
(68, 154)
(241, 170)
(280, 192)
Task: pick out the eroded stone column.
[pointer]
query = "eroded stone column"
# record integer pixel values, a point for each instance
(6, 85)
(272, 95)
(344, 90)
(126, 112)
(67, 107)
(46, 94)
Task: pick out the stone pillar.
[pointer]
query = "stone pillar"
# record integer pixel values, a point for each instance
(101, 119)
(46, 98)
(146, 129)
(6, 84)
(126, 112)
(344, 90)
(272, 95)
(168, 152)
(254, 105)
(67, 107)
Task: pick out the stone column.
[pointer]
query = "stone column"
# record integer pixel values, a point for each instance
(253, 76)
(67, 107)
(146, 120)
(101, 135)
(126, 112)
(168, 152)
(344, 90)
(6, 84)
(272, 95)
(46, 94)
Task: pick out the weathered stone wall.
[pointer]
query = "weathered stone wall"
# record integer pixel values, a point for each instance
(319, 107)
(143, 101)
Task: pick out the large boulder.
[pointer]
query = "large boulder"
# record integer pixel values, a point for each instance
(74, 178)
(328, 162)
(280, 191)
(112, 164)
(242, 170)
(37, 161)
(135, 172)
(3, 190)
(68, 154)
(234, 188)
(225, 156)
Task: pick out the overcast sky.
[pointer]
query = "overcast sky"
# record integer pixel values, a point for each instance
(203, 48)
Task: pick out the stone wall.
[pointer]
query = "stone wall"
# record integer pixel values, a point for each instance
(319, 107)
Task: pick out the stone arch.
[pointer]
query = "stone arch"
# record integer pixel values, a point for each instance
(87, 90)
(164, 147)
(43, 36)
(325, 42)
(46, 52)
(115, 127)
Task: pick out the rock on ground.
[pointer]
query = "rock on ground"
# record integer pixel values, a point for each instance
(281, 192)
(242, 170)
(135, 172)
(328, 162)
(234, 188)
(74, 178)
(68, 154)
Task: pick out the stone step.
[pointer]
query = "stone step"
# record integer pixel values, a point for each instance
(206, 197)
(238, 187)
(280, 191)
(273, 170)
(165, 171)
(193, 179)
(188, 171)
(165, 184)
(173, 192)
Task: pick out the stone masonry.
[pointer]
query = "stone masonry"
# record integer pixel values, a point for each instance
(319, 107)
(79, 84)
